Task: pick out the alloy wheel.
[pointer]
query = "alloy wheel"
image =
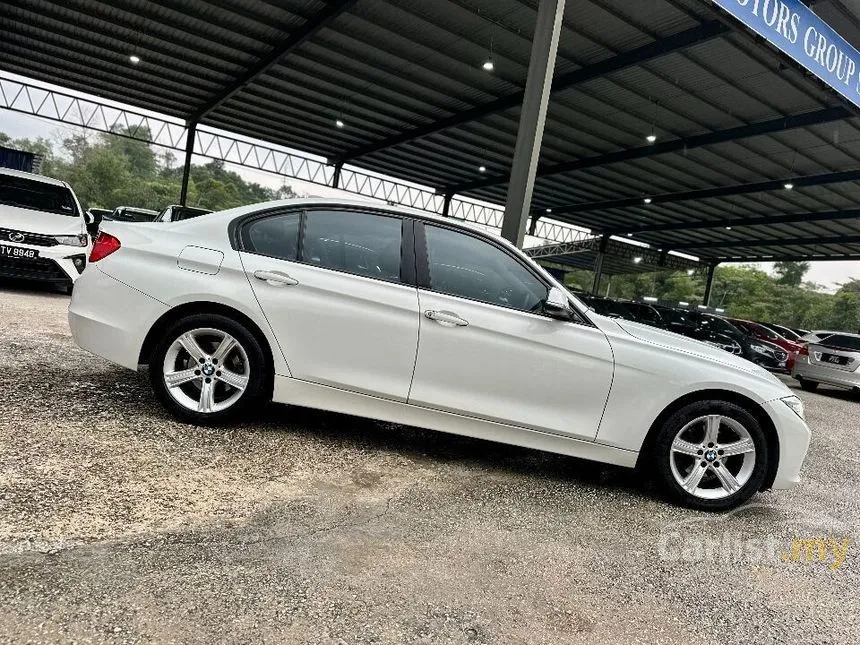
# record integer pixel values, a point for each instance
(712, 457)
(206, 370)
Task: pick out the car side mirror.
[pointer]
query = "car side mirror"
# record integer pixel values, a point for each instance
(557, 305)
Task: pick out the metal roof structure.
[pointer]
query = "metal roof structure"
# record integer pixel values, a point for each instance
(735, 120)
(619, 258)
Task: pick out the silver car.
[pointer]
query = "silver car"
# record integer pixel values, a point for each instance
(835, 360)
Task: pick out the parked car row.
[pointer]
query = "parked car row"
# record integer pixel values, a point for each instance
(742, 338)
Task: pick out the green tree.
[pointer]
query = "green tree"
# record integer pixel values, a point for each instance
(790, 273)
(119, 169)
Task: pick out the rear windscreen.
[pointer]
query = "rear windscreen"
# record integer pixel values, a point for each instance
(36, 195)
(838, 341)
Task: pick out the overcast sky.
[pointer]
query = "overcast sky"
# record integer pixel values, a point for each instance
(17, 125)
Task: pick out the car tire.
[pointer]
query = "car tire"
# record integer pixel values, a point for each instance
(808, 386)
(690, 462)
(212, 380)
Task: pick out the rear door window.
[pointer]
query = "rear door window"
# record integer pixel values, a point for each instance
(364, 244)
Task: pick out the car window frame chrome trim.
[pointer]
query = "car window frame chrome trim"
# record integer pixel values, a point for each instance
(236, 228)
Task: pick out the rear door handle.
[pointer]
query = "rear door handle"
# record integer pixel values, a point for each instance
(446, 318)
(275, 278)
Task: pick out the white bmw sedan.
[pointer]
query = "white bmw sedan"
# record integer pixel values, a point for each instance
(400, 316)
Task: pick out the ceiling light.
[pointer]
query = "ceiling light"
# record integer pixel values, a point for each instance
(482, 169)
(728, 228)
(549, 210)
(690, 271)
(488, 65)
(647, 200)
(134, 59)
(788, 185)
(339, 123)
(651, 138)
(637, 260)
(683, 304)
(630, 235)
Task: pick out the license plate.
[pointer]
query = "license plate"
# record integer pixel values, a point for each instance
(18, 252)
(837, 360)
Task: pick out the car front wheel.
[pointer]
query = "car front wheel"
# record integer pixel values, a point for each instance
(207, 368)
(711, 455)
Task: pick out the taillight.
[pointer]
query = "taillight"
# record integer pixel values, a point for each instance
(803, 351)
(103, 246)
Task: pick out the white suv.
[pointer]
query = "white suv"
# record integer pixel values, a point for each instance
(43, 234)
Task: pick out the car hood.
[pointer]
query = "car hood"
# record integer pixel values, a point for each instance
(696, 348)
(31, 221)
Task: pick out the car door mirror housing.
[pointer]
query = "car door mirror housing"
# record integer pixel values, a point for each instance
(557, 305)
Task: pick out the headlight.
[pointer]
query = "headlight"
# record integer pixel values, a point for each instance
(795, 404)
(72, 240)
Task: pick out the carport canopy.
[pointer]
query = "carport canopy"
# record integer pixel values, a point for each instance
(669, 121)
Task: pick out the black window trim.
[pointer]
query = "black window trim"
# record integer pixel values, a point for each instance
(237, 227)
(422, 263)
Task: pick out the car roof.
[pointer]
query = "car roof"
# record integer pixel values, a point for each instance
(11, 172)
(219, 217)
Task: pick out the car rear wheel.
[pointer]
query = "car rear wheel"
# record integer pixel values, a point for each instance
(711, 455)
(207, 368)
(809, 386)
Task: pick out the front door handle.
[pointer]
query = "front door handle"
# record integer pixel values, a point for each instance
(275, 278)
(446, 318)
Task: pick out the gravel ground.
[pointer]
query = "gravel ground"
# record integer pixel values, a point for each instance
(120, 525)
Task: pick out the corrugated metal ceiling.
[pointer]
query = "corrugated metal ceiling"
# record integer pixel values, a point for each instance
(388, 67)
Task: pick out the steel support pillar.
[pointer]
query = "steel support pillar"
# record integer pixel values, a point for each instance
(598, 265)
(446, 204)
(335, 180)
(709, 285)
(189, 152)
(532, 117)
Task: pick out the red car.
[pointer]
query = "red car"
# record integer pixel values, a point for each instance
(762, 332)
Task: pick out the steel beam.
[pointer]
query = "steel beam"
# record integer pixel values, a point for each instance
(794, 258)
(762, 220)
(709, 284)
(817, 117)
(705, 193)
(704, 32)
(311, 26)
(778, 241)
(532, 118)
(190, 136)
(598, 264)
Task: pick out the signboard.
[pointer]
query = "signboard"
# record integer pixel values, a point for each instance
(791, 27)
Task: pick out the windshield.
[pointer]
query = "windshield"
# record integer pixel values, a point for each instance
(840, 341)
(786, 332)
(720, 325)
(37, 196)
(674, 316)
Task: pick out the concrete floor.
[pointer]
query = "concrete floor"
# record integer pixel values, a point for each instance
(120, 525)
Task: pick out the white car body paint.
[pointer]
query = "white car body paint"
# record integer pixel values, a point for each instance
(15, 218)
(350, 344)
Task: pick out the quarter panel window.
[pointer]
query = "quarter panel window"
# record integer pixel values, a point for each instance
(276, 236)
(463, 265)
(360, 243)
